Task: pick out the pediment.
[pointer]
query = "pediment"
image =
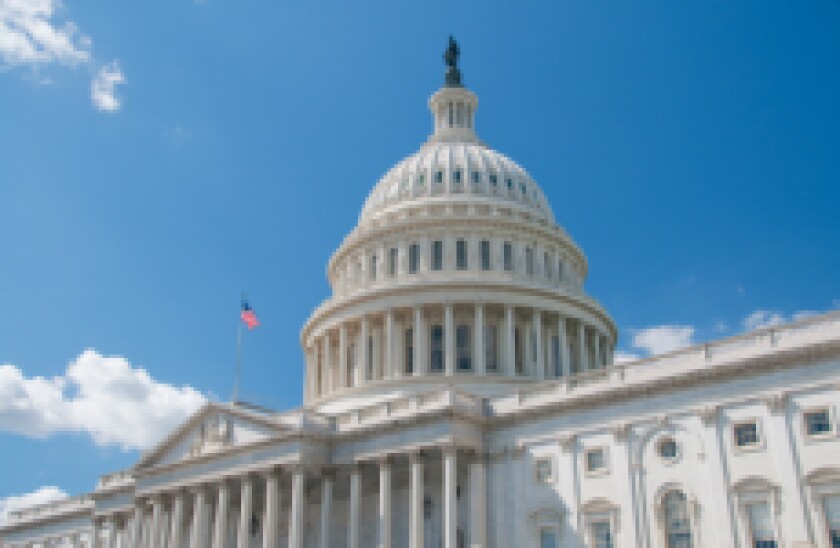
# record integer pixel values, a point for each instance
(215, 428)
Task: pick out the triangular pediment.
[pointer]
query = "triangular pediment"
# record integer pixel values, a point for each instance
(215, 428)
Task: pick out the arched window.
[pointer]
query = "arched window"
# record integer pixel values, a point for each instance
(677, 520)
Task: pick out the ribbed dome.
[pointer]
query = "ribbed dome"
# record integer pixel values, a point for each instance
(440, 171)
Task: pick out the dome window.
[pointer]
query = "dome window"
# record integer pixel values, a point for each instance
(437, 255)
(509, 183)
(421, 179)
(508, 256)
(494, 179)
(438, 176)
(436, 353)
(413, 258)
(456, 176)
(463, 347)
(476, 177)
(484, 251)
(523, 189)
(461, 254)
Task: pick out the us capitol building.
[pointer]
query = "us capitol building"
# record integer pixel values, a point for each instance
(460, 391)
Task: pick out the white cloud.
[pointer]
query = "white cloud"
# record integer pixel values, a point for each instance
(102, 87)
(768, 318)
(31, 36)
(621, 356)
(663, 338)
(102, 396)
(41, 496)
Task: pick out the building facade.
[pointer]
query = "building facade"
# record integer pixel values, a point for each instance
(460, 391)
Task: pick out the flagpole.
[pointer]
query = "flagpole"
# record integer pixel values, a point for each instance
(238, 361)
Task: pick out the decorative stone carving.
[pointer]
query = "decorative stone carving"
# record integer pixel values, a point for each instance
(216, 432)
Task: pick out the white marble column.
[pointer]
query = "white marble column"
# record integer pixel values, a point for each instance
(416, 494)
(539, 363)
(246, 509)
(581, 347)
(449, 339)
(720, 510)
(109, 527)
(420, 357)
(565, 356)
(596, 356)
(478, 502)
(389, 371)
(342, 356)
(479, 356)
(510, 344)
(156, 527)
(384, 504)
(198, 531)
(220, 524)
(176, 520)
(272, 509)
(450, 498)
(362, 365)
(326, 509)
(326, 363)
(354, 521)
(137, 524)
(298, 514)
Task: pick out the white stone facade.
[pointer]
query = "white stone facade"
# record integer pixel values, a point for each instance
(460, 391)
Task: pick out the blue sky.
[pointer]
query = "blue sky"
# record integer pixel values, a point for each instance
(158, 158)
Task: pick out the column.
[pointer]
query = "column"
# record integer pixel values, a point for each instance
(95, 531)
(450, 498)
(296, 522)
(478, 501)
(309, 394)
(109, 527)
(384, 504)
(220, 532)
(197, 532)
(246, 491)
(416, 495)
(326, 509)
(272, 509)
(538, 342)
(137, 524)
(388, 369)
(449, 339)
(510, 346)
(353, 526)
(176, 521)
(156, 528)
(362, 365)
(720, 508)
(75, 541)
(596, 357)
(326, 363)
(581, 350)
(479, 355)
(342, 356)
(624, 491)
(420, 358)
(565, 357)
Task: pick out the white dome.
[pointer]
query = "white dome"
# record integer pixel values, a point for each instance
(440, 171)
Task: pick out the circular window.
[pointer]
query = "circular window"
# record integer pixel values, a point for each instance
(668, 448)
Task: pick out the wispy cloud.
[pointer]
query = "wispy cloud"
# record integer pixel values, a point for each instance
(104, 397)
(42, 495)
(768, 318)
(660, 339)
(32, 36)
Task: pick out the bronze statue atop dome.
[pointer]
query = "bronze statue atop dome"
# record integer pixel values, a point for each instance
(450, 57)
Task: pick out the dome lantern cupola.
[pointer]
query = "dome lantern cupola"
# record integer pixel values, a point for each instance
(453, 106)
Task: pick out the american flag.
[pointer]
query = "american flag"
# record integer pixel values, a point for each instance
(248, 316)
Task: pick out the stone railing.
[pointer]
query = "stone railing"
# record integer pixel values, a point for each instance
(49, 509)
(407, 406)
(115, 479)
(800, 334)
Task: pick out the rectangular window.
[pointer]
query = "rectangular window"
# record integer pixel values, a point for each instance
(560, 269)
(484, 250)
(373, 268)
(351, 364)
(761, 525)
(476, 177)
(547, 265)
(601, 535)
(438, 176)
(456, 176)
(746, 434)
(463, 348)
(508, 256)
(392, 261)
(548, 537)
(555, 356)
(491, 359)
(437, 255)
(542, 470)
(421, 180)
(596, 460)
(831, 506)
(461, 254)
(436, 349)
(370, 358)
(818, 422)
(519, 352)
(509, 183)
(529, 261)
(413, 258)
(409, 350)
(494, 180)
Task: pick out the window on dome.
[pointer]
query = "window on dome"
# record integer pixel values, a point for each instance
(421, 179)
(437, 255)
(373, 268)
(351, 365)
(438, 176)
(560, 269)
(392, 261)
(523, 189)
(476, 177)
(508, 256)
(547, 265)
(762, 531)
(529, 260)
(509, 183)
(493, 179)
(555, 356)
(484, 250)
(491, 360)
(409, 350)
(519, 352)
(456, 176)
(817, 422)
(436, 349)
(369, 365)
(463, 347)
(413, 258)
(746, 434)
(461, 254)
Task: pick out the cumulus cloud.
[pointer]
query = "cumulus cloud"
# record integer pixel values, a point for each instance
(663, 338)
(102, 87)
(42, 495)
(32, 36)
(101, 396)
